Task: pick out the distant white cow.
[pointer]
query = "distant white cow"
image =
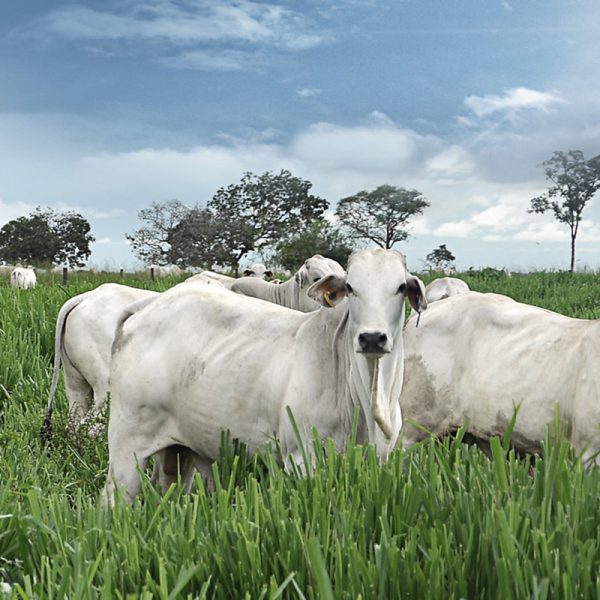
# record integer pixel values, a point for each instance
(198, 361)
(444, 287)
(23, 278)
(257, 270)
(6, 270)
(161, 271)
(293, 292)
(477, 356)
(85, 330)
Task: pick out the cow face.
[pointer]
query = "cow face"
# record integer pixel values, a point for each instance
(316, 268)
(376, 285)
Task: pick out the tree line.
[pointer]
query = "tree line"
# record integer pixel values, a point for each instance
(277, 214)
(272, 213)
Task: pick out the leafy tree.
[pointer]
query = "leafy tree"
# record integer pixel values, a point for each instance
(47, 237)
(575, 180)
(200, 239)
(381, 215)
(263, 209)
(440, 258)
(151, 242)
(320, 238)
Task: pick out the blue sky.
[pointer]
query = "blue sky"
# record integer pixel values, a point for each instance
(108, 106)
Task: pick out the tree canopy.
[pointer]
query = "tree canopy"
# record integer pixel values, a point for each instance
(263, 209)
(381, 215)
(252, 215)
(320, 238)
(575, 181)
(151, 242)
(47, 237)
(440, 258)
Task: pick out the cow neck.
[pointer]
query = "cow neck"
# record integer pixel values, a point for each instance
(286, 294)
(376, 394)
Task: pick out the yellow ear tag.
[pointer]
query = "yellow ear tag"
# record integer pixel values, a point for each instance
(328, 299)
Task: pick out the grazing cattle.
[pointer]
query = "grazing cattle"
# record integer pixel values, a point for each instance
(161, 271)
(478, 356)
(293, 292)
(198, 361)
(444, 287)
(23, 278)
(85, 330)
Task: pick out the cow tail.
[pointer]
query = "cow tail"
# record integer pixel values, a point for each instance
(65, 311)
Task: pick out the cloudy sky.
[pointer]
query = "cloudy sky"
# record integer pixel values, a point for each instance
(109, 105)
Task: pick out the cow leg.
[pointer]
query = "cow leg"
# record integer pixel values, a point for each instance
(93, 420)
(128, 455)
(80, 398)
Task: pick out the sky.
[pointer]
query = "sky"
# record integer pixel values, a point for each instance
(107, 106)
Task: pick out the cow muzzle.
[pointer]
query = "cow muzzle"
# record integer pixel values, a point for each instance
(374, 343)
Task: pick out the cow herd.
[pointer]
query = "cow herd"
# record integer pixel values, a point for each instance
(271, 363)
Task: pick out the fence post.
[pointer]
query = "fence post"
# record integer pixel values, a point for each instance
(121, 273)
(65, 276)
(151, 273)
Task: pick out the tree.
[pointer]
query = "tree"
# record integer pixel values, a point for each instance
(320, 238)
(381, 215)
(200, 239)
(47, 237)
(263, 209)
(575, 180)
(441, 258)
(151, 243)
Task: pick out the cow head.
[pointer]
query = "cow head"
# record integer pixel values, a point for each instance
(257, 270)
(375, 287)
(316, 268)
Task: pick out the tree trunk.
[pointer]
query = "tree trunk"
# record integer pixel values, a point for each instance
(573, 236)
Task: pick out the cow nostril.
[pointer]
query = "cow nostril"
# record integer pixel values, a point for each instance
(382, 339)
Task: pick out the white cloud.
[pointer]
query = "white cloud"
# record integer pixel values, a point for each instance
(187, 23)
(450, 162)
(512, 100)
(308, 92)
(215, 60)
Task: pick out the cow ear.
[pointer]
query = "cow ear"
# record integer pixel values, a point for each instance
(415, 291)
(247, 273)
(301, 276)
(269, 274)
(329, 291)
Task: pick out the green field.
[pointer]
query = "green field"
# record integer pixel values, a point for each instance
(440, 520)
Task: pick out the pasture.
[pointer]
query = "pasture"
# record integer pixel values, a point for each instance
(440, 520)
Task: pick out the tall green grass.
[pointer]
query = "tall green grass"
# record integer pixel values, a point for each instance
(440, 520)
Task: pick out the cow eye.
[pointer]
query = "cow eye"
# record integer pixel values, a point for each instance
(349, 288)
(316, 279)
(402, 288)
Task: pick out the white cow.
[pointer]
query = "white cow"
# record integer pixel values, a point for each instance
(6, 270)
(477, 356)
(23, 278)
(444, 287)
(211, 276)
(161, 271)
(85, 329)
(198, 361)
(257, 270)
(293, 292)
